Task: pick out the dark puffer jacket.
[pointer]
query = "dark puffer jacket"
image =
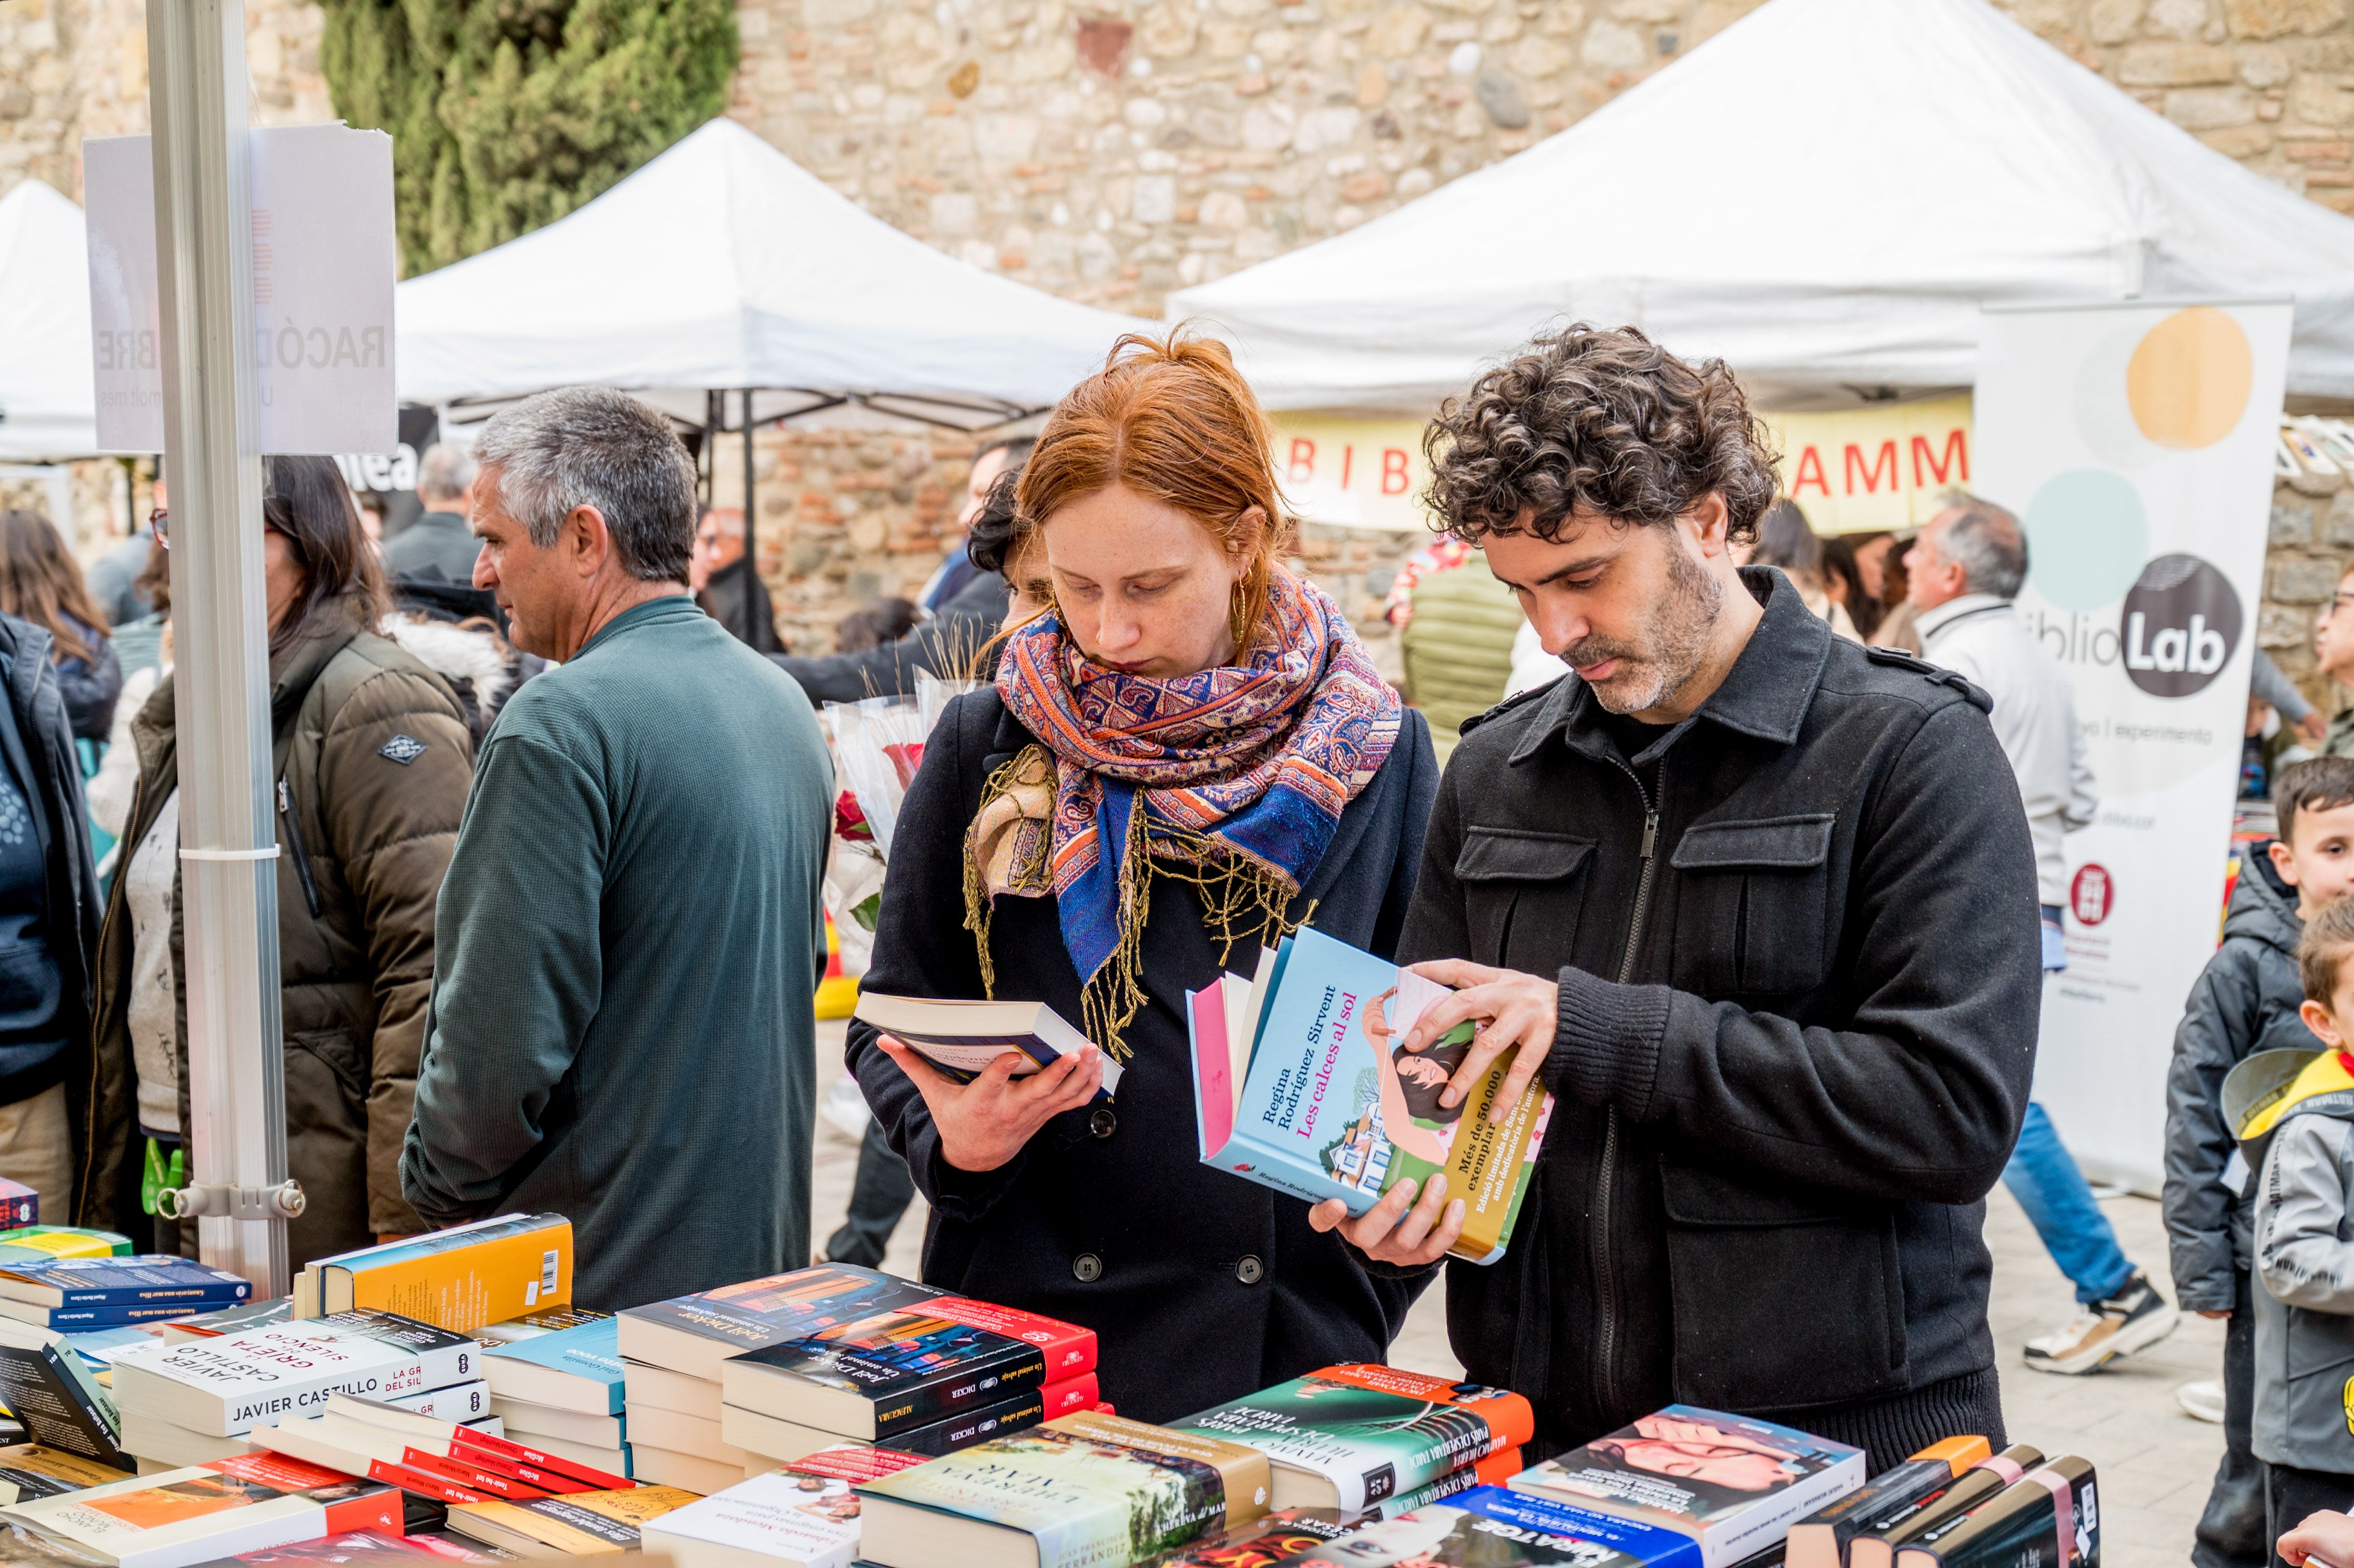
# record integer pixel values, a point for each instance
(372, 759)
(2245, 1001)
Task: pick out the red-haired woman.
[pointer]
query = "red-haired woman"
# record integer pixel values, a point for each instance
(1192, 750)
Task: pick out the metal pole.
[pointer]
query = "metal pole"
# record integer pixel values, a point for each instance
(195, 52)
(751, 557)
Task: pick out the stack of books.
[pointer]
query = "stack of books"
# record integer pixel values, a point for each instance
(459, 1279)
(563, 1392)
(78, 1295)
(583, 1524)
(199, 1513)
(445, 1461)
(754, 1375)
(803, 1516)
(1731, 1484)
(199, 1400)
(1377, 1440)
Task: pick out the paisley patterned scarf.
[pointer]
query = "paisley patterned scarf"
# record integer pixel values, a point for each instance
(1232, 779)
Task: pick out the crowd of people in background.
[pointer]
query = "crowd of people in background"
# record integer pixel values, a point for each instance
(489, 775)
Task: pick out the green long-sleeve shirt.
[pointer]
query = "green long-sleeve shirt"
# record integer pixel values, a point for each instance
(622, 1026)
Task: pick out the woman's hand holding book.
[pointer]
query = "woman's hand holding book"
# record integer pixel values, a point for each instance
(984, 1123)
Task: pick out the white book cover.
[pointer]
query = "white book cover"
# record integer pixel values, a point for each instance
(807, 1521)
(224, 1385)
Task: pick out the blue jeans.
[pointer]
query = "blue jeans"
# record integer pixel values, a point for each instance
(2043, 1177)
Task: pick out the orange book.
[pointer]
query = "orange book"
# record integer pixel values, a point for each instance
(456, 1280)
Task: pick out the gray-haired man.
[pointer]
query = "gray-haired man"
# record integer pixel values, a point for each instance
(629, 937)
(438, 538)
(1963, 573)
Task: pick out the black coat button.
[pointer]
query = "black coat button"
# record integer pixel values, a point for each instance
(1251, 1271)
(1087, 1269)
(1103, 1124)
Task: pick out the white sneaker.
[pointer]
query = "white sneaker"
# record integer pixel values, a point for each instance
(844, 1107)
(2135, 1318)
(2204, 1401)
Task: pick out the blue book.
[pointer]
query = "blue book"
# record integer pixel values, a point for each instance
(154, 1280)
(1302, 1082)
(82, 1319)
(1488, 1527)
(578, 1368)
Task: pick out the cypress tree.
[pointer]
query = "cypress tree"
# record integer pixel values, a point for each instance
(506, 115)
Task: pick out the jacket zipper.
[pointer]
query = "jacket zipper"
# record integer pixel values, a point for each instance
(302, 855)
(1604, 1272)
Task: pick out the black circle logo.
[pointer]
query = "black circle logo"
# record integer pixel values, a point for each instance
(2181, 628)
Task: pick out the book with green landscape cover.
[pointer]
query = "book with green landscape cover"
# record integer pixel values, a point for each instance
(1081, 1491)
(1352, 1437)
(1302, 1082)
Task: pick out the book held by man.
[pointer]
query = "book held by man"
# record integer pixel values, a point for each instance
(1731, 1483)
(1080, 1491)
(963, 1036)
(207, 1512)
(1302, 1082)
(1348, 1437)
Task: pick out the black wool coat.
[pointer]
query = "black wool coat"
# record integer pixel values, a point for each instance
(1799, 976)
(1200, 1286)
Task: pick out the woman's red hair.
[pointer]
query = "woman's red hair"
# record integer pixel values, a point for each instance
(1171, 419)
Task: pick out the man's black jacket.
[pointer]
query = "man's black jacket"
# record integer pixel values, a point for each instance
(1800, 983)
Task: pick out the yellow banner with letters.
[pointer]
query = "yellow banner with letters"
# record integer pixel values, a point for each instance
(1885, 467)
(1855, 470)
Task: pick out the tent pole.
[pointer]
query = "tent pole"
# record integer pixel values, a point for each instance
(204, 226)
(752, 557)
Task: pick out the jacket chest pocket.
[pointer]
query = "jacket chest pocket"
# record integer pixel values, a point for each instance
(1780, 1298)
(1754, 905)
(1521, 895)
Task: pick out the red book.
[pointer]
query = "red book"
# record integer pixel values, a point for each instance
(414, 1480)
(477, 1477)
(465, 1443)
(374, 1509)
(1071, 1393)
(853, 1462)
(1069, 1348)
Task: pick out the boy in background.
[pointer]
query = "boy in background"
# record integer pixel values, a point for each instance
(2247, 1000)
(2302, 1255)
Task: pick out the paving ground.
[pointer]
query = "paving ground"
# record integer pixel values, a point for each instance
(2155, 1461)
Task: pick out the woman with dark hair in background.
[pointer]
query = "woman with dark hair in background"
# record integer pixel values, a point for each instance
(373, 761)
(1843, 580)
(39, 582)
(1786, 540)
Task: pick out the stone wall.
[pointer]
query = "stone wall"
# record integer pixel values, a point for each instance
(1112, 150)
(2310, 545)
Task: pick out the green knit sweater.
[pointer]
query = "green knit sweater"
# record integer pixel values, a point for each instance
(625, 952)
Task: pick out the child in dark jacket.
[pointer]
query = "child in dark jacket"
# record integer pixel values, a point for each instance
(2245, 1001)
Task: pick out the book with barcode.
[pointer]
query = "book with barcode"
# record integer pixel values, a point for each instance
(459, 1279)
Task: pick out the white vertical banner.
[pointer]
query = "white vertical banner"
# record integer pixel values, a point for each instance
(325, 262)
(2135, 443)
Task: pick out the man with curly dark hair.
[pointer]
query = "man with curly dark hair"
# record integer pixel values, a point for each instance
(1756, 903)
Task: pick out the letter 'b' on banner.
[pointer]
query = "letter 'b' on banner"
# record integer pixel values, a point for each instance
(2135, 443)
(323, 269)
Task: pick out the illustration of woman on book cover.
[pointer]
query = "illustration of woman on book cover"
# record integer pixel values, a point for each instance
(1409, 1085)
(1685, 1467)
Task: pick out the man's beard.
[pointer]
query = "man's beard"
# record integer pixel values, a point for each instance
(1671, 647)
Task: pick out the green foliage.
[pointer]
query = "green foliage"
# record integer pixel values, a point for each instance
(506, 115)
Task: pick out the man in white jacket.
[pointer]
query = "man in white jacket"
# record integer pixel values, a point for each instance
(1963, 572)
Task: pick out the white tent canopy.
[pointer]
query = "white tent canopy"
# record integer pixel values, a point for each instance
(46, 397)
(722, 263)
(1823, 195)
